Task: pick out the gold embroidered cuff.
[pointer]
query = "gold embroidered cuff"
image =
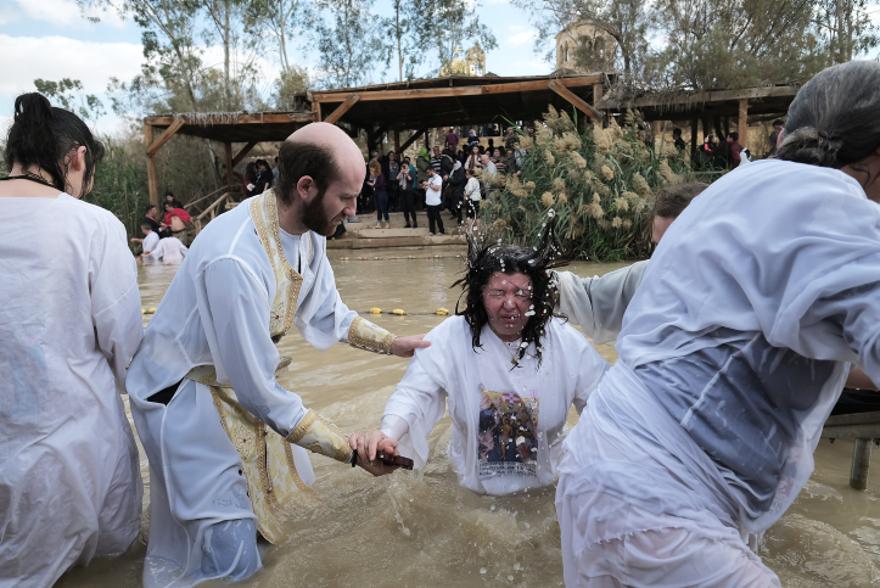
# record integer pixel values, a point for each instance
(366, 335)
(319, 436)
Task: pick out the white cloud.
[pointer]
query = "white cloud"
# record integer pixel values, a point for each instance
(66, 13)
(519, 36)
(519, 67)
(498, 2)
(23, 59)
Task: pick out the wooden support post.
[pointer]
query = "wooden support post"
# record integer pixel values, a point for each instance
(427, 141)
(152, 181)
(227, 153)
(695, 128)
(164, 137)
(861, 460)
(598, 93)
(241, 154)
(575, 100)
(340, 110)
(371, 141)
(742, 122)
(397, 141)
(412, 139)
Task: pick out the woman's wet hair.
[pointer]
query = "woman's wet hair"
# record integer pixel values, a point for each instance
(42, 136)
(536, 263)
(834, 119)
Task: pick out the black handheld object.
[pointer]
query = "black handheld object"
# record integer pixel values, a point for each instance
(392, 460)
(395, 460)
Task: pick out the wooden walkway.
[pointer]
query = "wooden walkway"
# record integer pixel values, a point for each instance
(862, 428)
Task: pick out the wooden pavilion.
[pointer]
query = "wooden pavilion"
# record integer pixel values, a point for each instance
(413, 106)
(713, 108)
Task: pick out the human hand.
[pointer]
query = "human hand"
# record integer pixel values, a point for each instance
(405, 346)
(367, 446)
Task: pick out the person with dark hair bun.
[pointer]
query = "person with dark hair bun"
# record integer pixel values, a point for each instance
(753, 308)
(70, 322)
(506, 369)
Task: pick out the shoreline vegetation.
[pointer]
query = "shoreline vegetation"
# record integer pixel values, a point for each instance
(600, 182)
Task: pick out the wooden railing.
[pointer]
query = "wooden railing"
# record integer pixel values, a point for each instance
(192, 206)
(215, 208)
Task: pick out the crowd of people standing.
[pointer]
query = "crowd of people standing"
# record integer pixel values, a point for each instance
(455, 177)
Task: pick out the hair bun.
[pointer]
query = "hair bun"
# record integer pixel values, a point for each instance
(33, 106)
(812, 146)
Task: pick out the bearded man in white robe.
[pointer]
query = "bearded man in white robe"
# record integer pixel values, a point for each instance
(202, 385)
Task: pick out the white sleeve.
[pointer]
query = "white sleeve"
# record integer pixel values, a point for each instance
(238, 310)
(598, 304)
(324, 318)
(590, 368)
(115, 299)
(413, 410)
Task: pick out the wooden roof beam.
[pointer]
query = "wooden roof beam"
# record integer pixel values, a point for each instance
(340, 110)
(244, 151)
(459, 91)
(164, 137)
(241, 118)
(576, 100)
(412, 139)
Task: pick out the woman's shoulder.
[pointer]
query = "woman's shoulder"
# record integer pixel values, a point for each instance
(77, 208)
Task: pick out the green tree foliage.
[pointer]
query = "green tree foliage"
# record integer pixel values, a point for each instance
(121, 180)
(350, 42)
(720, 43)
(455, 27)
(69, 94)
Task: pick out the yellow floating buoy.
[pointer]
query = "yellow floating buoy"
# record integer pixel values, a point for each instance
(148, 309)
(152, 310)
(375, 310)
(442, 311)
(398, 312)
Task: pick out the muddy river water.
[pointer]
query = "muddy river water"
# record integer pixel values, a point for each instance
(420, 528)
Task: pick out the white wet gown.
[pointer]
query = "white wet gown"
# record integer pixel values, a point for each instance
(70, 321)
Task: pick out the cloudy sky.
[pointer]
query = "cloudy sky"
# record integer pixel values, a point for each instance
(50, 39)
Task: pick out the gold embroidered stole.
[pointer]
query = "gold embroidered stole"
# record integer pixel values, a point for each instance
(266, 457)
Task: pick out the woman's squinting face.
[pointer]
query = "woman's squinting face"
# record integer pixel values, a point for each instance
(507, 299)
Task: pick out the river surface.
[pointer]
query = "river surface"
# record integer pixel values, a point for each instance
(420, 528)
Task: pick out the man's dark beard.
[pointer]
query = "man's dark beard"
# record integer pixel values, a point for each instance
(314, 217)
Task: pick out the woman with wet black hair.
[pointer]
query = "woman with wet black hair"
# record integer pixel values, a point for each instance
(732, 353)
(70, 322)
(506, 369)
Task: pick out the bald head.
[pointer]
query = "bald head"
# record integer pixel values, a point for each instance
(343, 151)
(323, 153)
(321, 172)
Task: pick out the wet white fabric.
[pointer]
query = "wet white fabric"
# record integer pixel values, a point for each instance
(70, 322)
(170, 250)
(149, 245)
(451, 374)
(598, 303)
(216, 312)
(732, 354)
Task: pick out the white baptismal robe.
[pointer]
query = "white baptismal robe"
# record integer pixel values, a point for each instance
(732, 354)
(149, 245)
(70, 321)
(598, 303)
(170, 250)
(485, 397)
(216, 312)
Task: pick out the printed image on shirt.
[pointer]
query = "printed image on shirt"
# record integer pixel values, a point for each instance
(508, 434)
